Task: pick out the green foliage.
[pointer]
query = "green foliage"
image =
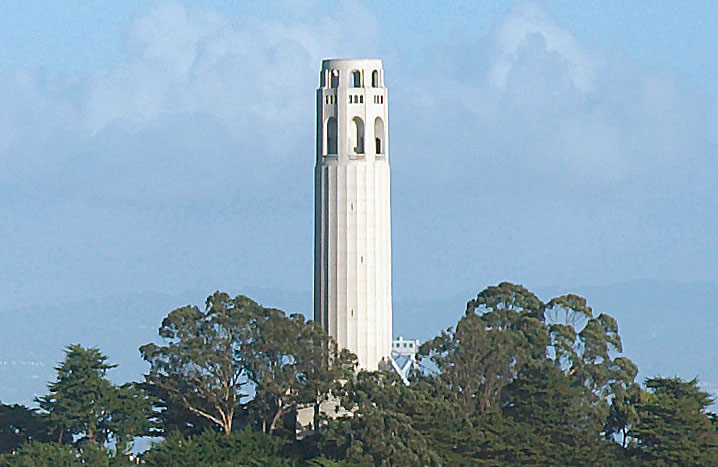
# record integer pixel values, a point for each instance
(555, 421)
(84, 407)
(213, 448)
(583, 345)
(500, 333)
(672, 424)
(38, 454)
(170, 416)
(507, 328)
(373, 428)
(324, 462)
(210, 356)
(623, 415)
(534, 379)
(74, 403)
(202, 367)
(293, 362)
(518, 381)
(19, 425)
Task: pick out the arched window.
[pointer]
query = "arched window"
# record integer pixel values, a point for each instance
(335, 78)
(331, 146)
(361, 99)
(375, 79)
(379, 135)
(356, 79)
(357, 136)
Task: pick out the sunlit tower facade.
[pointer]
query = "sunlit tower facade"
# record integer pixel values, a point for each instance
(352, 239)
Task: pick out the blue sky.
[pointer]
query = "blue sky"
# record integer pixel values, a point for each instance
(168, 146)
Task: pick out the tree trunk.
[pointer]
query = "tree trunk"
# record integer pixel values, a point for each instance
(227, 421)
(316, 415)
(275, 420)
(278, 416)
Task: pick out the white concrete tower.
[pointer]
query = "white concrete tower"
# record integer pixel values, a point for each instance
(352, 239)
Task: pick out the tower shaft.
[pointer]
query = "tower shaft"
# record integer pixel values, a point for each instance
(352, 253)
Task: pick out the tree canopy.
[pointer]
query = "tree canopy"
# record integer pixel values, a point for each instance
(240, 358)
(20, 425)
(84, 407)
(516, 381)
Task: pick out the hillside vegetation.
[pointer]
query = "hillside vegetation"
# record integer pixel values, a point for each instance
(515, 381)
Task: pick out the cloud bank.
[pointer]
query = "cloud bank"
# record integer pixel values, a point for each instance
(526, 156)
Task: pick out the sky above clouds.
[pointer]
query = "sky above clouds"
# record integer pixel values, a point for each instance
(169, 146)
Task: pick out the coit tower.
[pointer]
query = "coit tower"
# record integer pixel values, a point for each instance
(352, 238)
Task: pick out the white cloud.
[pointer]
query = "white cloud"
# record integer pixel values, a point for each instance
(527, 20)
(571, 165)
(560, 110)
(530, 155)
(171, 154)
(184, 60)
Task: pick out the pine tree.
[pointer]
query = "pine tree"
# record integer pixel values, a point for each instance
(83, 407)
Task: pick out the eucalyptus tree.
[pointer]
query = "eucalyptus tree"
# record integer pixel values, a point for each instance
(586, 347)
(500, 332)
(294, 363)
(203, 365)
(507, 327)
(238, 357)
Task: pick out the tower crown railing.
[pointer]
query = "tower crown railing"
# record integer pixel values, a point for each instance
(351, 73)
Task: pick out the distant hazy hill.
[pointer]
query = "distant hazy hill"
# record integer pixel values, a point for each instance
(667, 328)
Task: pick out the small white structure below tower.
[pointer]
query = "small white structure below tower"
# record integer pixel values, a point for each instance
(352, 241)
(403, 357)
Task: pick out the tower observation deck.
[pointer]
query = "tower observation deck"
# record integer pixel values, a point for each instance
(352, 237)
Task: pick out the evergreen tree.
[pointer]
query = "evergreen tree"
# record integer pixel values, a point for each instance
(213, 448)
(673, 426)
(555, 421)
(19, 425)
(52, 454)
(83, 407)
(38, 454)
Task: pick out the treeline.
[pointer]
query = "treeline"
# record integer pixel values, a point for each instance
(516, 381)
